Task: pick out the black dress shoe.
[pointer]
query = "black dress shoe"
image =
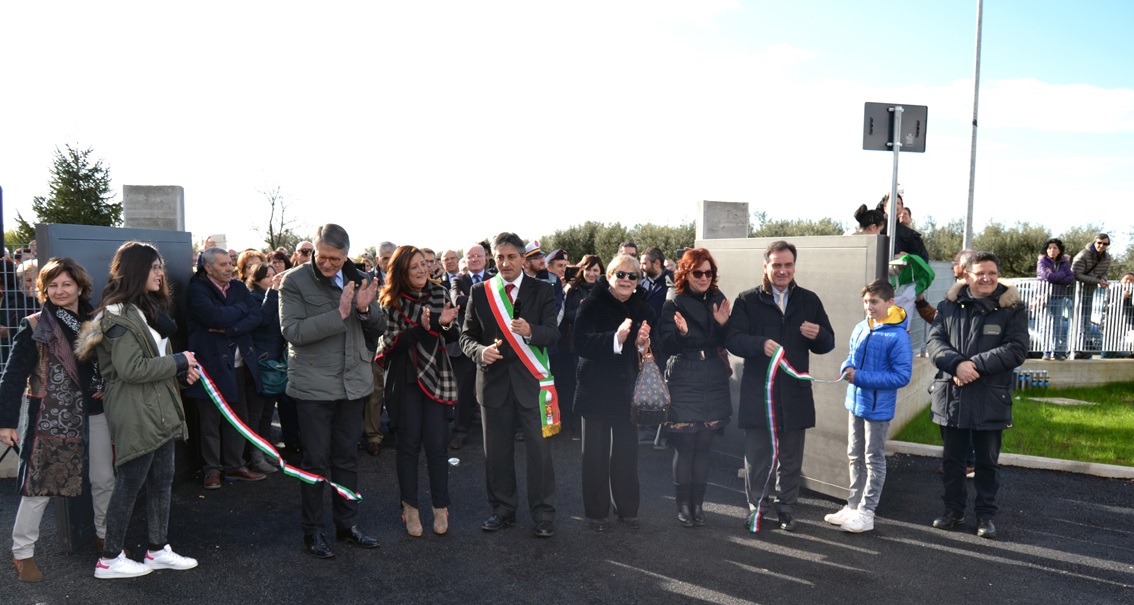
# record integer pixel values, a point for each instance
(598, 525)
(698, 514)
(787, 522)
(316, 546)
(356, 536)
(985, 529)
(544, 529)
(948, 521)
(496, 522)
(684, 516)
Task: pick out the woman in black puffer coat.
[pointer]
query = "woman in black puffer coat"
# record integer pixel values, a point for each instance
(611, 321)
(691, 332)
(590, 270)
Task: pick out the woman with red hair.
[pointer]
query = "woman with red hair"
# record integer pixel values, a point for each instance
(692, 333)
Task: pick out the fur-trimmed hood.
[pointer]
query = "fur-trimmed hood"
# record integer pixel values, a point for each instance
(1006, 294)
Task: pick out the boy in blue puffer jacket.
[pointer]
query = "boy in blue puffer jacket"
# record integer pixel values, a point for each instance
(880, 363)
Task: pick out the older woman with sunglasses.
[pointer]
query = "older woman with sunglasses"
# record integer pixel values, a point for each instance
(691, 332)
(612, 325)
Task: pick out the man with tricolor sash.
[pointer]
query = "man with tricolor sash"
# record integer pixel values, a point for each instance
(509, 322)
(775, 414)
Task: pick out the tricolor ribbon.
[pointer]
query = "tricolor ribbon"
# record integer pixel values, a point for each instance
(263, 445)
(775, 364)
(534, 358)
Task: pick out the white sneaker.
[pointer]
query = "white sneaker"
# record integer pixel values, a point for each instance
(862, 521)
(119, 567)
(167, 559)
(844, 515)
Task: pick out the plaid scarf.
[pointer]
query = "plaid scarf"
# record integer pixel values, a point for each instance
(429, 357)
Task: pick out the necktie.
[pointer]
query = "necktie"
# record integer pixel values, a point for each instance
(780, 302)
(508, 290)
(476, 278)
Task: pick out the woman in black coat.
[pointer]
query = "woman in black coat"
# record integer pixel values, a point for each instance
(263, 283)
(608, 369)
(590, 269)
(691, 332)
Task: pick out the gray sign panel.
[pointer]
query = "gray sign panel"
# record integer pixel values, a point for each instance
(878, 127)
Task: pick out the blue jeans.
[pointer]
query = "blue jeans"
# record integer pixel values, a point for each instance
(154, 471)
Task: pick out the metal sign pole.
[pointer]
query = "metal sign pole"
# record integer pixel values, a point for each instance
(892, 211)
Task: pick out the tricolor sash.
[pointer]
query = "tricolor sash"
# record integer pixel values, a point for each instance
(534, 358)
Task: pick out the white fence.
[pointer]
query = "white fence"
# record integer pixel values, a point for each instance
(1078, 320)
(17, 276)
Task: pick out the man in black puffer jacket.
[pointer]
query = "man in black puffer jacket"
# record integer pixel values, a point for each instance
(980, 335)
(779, 312)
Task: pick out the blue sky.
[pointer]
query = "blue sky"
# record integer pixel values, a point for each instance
(440, 123)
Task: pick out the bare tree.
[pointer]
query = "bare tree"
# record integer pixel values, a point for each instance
(280, 230)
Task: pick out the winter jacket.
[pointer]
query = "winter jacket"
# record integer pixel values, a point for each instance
(991, 332)
(605, 379)
(882, 359)
(267, 337)
(574, 298)
(142, 397)
(696, 374)
(219, 324)
(1057, 273)
(1090, 266)
(328, 359)
(755, 319)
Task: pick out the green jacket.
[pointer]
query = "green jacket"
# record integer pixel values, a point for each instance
(143, 397)
(327, 358)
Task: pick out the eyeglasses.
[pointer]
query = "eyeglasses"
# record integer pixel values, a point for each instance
(158, 267)
(700, 274)
(626, 275)
(305, 251)
(990, 275)
(334, 260)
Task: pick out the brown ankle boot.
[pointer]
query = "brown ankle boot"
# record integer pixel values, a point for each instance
(28, 570)
(440, 521)
(412, 519)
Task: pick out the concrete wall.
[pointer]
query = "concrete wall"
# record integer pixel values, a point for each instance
(836, 268)
(153, 207)
(719, 220)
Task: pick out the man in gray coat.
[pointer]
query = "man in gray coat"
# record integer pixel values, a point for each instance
(327, 311)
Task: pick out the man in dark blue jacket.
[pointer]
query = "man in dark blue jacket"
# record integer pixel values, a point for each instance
(980, 335)
(776, 313)
(222, 315)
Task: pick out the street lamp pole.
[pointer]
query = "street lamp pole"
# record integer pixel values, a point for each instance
(968, 240)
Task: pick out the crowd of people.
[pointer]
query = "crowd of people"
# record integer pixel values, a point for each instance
(505, 341)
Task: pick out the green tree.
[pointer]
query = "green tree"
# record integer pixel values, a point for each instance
(80, 194)
(667, 237)
(942, 241)
(593, 237)
(1018, 247)
(763, 226)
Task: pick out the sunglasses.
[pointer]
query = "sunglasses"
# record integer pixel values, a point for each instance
(305, 251)
(699, 273)
(626, 275)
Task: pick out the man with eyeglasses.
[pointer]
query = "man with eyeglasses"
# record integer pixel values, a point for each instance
(328, 312)
(980, 335)
(778, 312)
(465, 369)
(1090, 267)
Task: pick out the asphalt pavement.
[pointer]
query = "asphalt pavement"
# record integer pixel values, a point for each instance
(1063, 538)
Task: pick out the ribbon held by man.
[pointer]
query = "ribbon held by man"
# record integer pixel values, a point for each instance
(775, 365)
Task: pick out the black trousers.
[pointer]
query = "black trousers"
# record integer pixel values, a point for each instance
(986, 445)
(500, 460)
(331, 430)
(610, 466)
(465, 371)
(422, 423)
(222, 448)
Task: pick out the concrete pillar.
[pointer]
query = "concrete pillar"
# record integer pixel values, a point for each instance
(721, 220)
(153, 207)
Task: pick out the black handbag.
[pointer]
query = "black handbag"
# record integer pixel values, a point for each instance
(273, 377)
(650, 405)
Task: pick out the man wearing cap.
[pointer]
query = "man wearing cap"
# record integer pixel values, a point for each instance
(536, 266)
(557, 264)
